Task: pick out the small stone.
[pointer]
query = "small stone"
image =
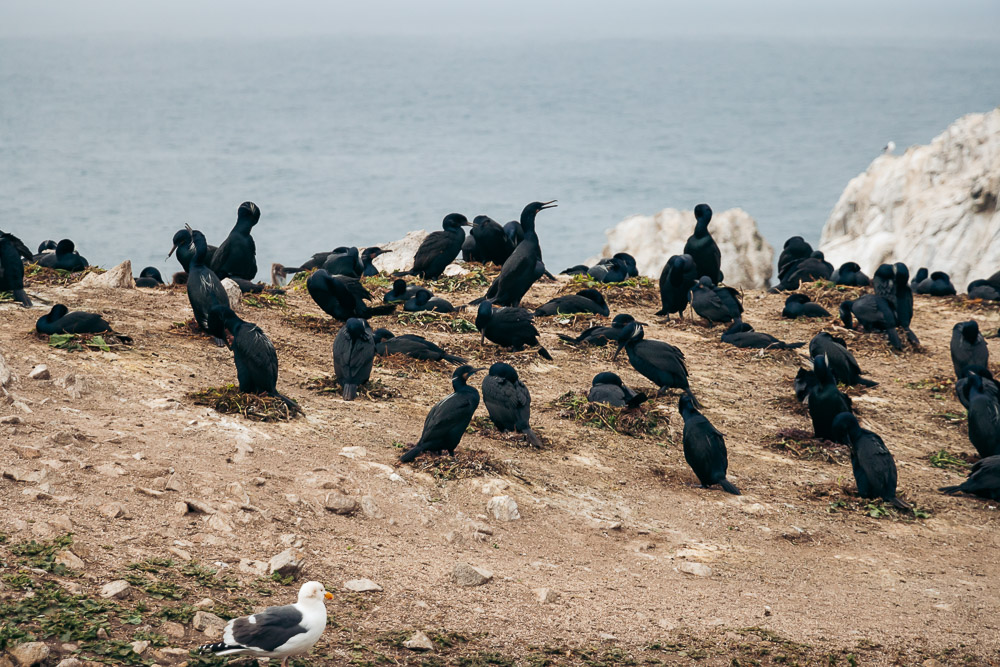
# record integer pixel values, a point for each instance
(255, 567)
(180, 553)
(30, 653)
(545, 595)
(287, 564)
(170, 655)
(198, 507)
(76, 385)
(419, 642)
(234, 293)
(696, 569)
(70, 587)
(340, 504)
(503, 508)
(767, 611)
(139, 647)
(172, 629)
(69, 560)
(354, 452)
(102, 633)
(115, 589)
(208, 623)
(362, 586)
(110, 470)
(468, 575)
(181, 508)
(12, 420)
(69, 662)
(152, 493)
(40, 372)
(931, 662)
(221, 523)
(370, 508)
(204, 603)
(26, 452)
(112, 511)
(495, 487)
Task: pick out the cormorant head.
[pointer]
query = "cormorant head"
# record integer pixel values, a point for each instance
(46, 245)
(921, 274)
(685, 405)
(970, 331)
(622, 320)
(606, 377)
(818, 254)
(58, 311)
(248, 213)
(398, 287)
(504, 372)
(706, 282)
(514, 231)
(902, 274)
(151, 272)
(480, 220)
(852, 267)
(181, 239)
(422, 296)
(796, 298)
(794, 240)
(938, 275)
(593, 295)
(632, 333)
(885, 272)
(847, 314)
(529, 212)
(485, 311)
(629, 263)
(703, 214)
(739, 327)
(200, 246)
(382, 334)
(822, 369)
(455, 221)
(371, 253)
(356, 328)
(462, 374)
(65, 247)
(843, 426)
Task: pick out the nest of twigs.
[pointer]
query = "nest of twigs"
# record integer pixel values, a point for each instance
(963, 302)
(843, 499)
(573, 322)
(446, 322)
(464, 464)
(799, 444)
(187, 329)
(42, 275)
(228, 399)
(105, 342)
(373, 390)
(872, 344)
(484, 427)
(316, 323)
(636, 422)
(641, 291)
(829, 294)
(476, 279)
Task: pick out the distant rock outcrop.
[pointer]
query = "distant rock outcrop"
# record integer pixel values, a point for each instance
(403, 252)
(933, 206)
(747, 258)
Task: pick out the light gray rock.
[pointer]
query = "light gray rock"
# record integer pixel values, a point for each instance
(695, 569)
(370, 508)
(7, 375)
(747, 257)
(120, 277)
(30, 653)
(469, 575)
(139, 647)
(68, 559)
(419, 642)
(172, 629)
(69, 662)
(403, 251)
(40, 372)
(934, 206)
(340, 504)
(117, 590)
(255, 567)
(234, 293)
(112, 511)
(503, 508)
(545, 595)
(288, 563)
(76, 385)
(208, 623)
(362, 586)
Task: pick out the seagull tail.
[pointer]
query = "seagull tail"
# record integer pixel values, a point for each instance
(217, 647)
(728, 487)
(412, 454)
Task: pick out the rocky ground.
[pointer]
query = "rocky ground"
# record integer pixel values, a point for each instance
(111, 473)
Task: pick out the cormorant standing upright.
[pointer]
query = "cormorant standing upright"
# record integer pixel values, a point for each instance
(367, 255)
(447, 420)
(524, 266)
(488, 242)
(874, 313)
(237, 256)
(509, 402)
(702, 247)
(184, 247)
(661, 363)
(439, 249)
(254, 356)
(205, 290)
(676, 280)
(984, 416)
(968, 348)
(12, 249)
(825, 400)
(842, 364)
(704, 447)
(904, 302)
(872, 462)
(353, 355)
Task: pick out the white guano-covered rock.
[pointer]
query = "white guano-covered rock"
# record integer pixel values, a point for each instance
(119, 277)
(403, 252)
(934, 206)
(747, 257)
(233, 293)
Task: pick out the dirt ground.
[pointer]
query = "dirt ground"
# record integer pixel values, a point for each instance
(801, 570)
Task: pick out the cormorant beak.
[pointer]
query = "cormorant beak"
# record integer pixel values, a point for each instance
(327, 595)
(170, 253)
(482, 338)
(382, 252)
(621, 346)
(549, 204)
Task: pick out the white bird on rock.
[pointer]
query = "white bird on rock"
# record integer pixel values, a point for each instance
(277, 632)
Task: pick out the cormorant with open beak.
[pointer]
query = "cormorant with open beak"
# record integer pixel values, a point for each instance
(524, 266)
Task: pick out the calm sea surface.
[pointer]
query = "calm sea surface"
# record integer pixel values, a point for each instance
(118, 142)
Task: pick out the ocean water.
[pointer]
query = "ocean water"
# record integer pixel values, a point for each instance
(118, 142)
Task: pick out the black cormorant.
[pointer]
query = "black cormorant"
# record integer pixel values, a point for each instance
(447, 420)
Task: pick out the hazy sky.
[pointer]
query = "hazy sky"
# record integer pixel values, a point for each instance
(955, 19)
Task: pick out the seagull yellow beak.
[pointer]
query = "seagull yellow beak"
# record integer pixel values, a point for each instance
(328, 595)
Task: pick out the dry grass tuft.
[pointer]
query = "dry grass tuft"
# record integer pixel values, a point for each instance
(41, 275)
(800, 444)
(373, 390)
(637, 422)
(464, 464)
(641, 291)
(317, 323)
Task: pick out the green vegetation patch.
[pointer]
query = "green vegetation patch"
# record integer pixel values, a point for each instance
(636, 422)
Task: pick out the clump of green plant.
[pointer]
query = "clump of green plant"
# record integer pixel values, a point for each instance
(41, 555)
(636, 422)
(80, 342)
(948, 461)
(265, 300)
(228, 399)
(441, 321)
(474, 279)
